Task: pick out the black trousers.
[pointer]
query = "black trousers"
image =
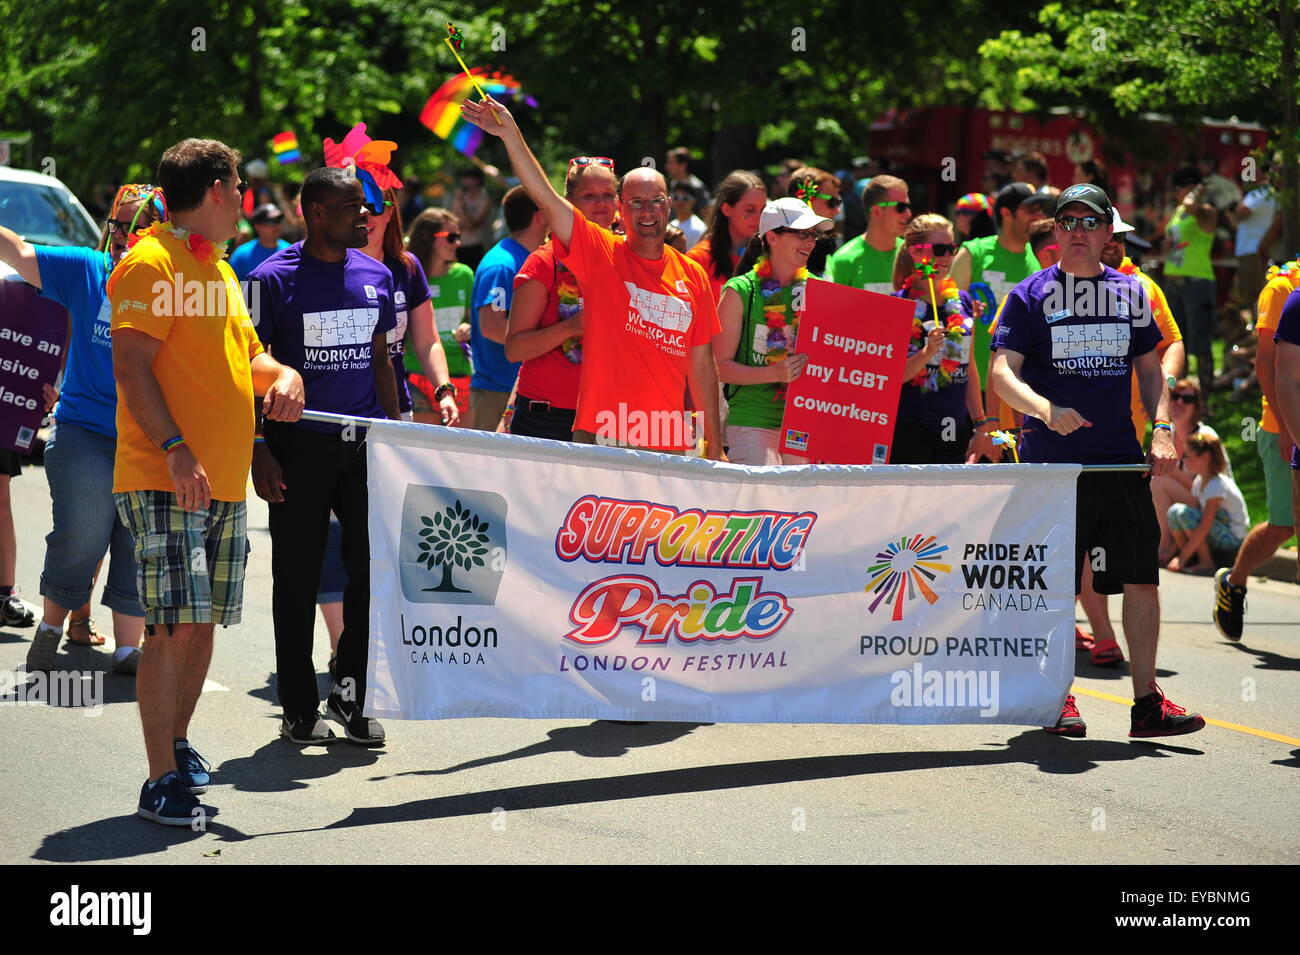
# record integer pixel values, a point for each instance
(322, 472)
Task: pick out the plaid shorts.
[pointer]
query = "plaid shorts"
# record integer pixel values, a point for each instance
(191, 563)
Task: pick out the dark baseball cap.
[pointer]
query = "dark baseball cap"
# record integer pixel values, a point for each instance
(1094, 197)
(267, 213)
(1012, 194)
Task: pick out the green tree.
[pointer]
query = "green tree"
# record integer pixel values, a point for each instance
(453, 537)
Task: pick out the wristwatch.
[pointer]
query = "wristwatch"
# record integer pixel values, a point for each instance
(446, 388)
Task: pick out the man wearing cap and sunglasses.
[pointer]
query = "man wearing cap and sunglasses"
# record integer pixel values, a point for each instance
(1068, 340)
(268, 223)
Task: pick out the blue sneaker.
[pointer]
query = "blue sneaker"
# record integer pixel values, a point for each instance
(167, 801)
(192, 767)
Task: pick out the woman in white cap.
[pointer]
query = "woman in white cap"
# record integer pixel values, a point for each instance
(759, 310)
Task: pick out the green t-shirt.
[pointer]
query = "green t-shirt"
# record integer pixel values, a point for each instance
(1002, 270)
(1189, 247)
(758, 406)
(449, 295)
(858, 265)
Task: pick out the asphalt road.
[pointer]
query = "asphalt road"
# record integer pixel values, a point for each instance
(546, 792)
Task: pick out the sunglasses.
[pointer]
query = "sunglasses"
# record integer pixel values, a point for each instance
(449, 236)
(681, 198)
(937, 249)
(589, 160)
(898, 206)
(799, 233)
(1090, 223)
(1185, 397)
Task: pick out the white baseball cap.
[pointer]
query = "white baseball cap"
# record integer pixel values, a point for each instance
(791, 213)
(1120, 225)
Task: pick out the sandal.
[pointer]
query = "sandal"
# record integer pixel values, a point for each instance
(1082, 639)
(1106, 653)
(93, 636)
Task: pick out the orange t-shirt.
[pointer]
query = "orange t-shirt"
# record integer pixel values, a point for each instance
(1169, 334)
(641, 318)
(1271, 299)
(702, 254)
(208, 341)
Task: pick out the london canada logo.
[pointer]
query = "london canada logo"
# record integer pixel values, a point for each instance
(452, 550)
(904, 570)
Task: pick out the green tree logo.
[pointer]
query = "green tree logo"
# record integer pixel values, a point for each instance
(452, 537)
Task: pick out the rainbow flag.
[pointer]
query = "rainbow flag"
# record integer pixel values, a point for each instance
(284, 146)
(442, 112)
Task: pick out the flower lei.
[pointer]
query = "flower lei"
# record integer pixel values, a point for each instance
(570, 305)
(1289, 269)
(1128, 267)
(780, 331)
(197, 245)
(916, 286)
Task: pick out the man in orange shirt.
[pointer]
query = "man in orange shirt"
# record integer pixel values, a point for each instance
(649, 314)
(187, 360)
(1263, 539)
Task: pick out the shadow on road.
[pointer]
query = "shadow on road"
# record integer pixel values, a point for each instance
(270, 692)
(1033, 747)
(281, 766)
(1268, 660)
(124, 837)
(599, 740)
(70, 685)
(1293, 762)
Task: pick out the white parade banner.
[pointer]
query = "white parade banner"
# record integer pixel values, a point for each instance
(514, 577)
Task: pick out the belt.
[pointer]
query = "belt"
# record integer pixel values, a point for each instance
(533, 406)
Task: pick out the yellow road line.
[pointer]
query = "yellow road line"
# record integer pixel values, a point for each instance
(1237, 727)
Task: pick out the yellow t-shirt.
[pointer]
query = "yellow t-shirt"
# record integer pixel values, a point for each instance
(1169, 334)
(1271, 300)
(208, 341)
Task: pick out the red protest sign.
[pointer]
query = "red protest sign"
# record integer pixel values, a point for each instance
(33, 334)
(841, 410)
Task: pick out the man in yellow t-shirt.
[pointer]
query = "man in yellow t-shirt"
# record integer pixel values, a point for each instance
(187, 360)
(1263, 540)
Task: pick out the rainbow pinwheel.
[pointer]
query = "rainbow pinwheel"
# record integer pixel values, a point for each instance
(368, 158)
(442, 112)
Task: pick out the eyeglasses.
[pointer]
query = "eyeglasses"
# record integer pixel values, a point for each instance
(898, 206)
(655, 204)
(449, 236)
(118, 225)
(1090, 223)
(1186, 397)
(937, 249)
(681, 198)
(589, 160)
(798, 233)
(241, 186)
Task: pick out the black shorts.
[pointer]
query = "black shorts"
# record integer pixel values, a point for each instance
(916, 444)
(1116, 531)
(537, 419)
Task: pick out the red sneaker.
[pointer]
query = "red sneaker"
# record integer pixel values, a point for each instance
(1154, 715)
(1070, 723)
(1082, 639)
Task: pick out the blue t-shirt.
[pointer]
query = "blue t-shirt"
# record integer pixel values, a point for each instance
(252, 254)
(930, 403)
(494, 284)
(320, 318)
(1079, 337)
(74, 277)
(410, 291)
(1288, 330)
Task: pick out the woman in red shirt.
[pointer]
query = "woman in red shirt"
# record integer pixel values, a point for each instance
(544, 328)
(733, 222)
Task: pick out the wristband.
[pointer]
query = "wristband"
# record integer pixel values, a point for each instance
(445, 388)
(988, 420)
(1162, 424)
(258, 439)
(171, 444)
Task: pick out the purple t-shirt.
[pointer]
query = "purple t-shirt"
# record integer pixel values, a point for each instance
(1288, 330)
(410, 291)
(1079, 337)
(930, 404)
(320, 318)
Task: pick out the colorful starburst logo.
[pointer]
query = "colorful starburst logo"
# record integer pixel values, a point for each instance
(901, 571)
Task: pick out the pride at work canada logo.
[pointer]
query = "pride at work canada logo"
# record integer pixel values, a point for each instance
(902, 572)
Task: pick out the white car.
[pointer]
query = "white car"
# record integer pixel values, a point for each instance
(43, 210)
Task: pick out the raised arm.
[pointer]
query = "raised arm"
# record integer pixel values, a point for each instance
(559, 214)
(19, 255)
